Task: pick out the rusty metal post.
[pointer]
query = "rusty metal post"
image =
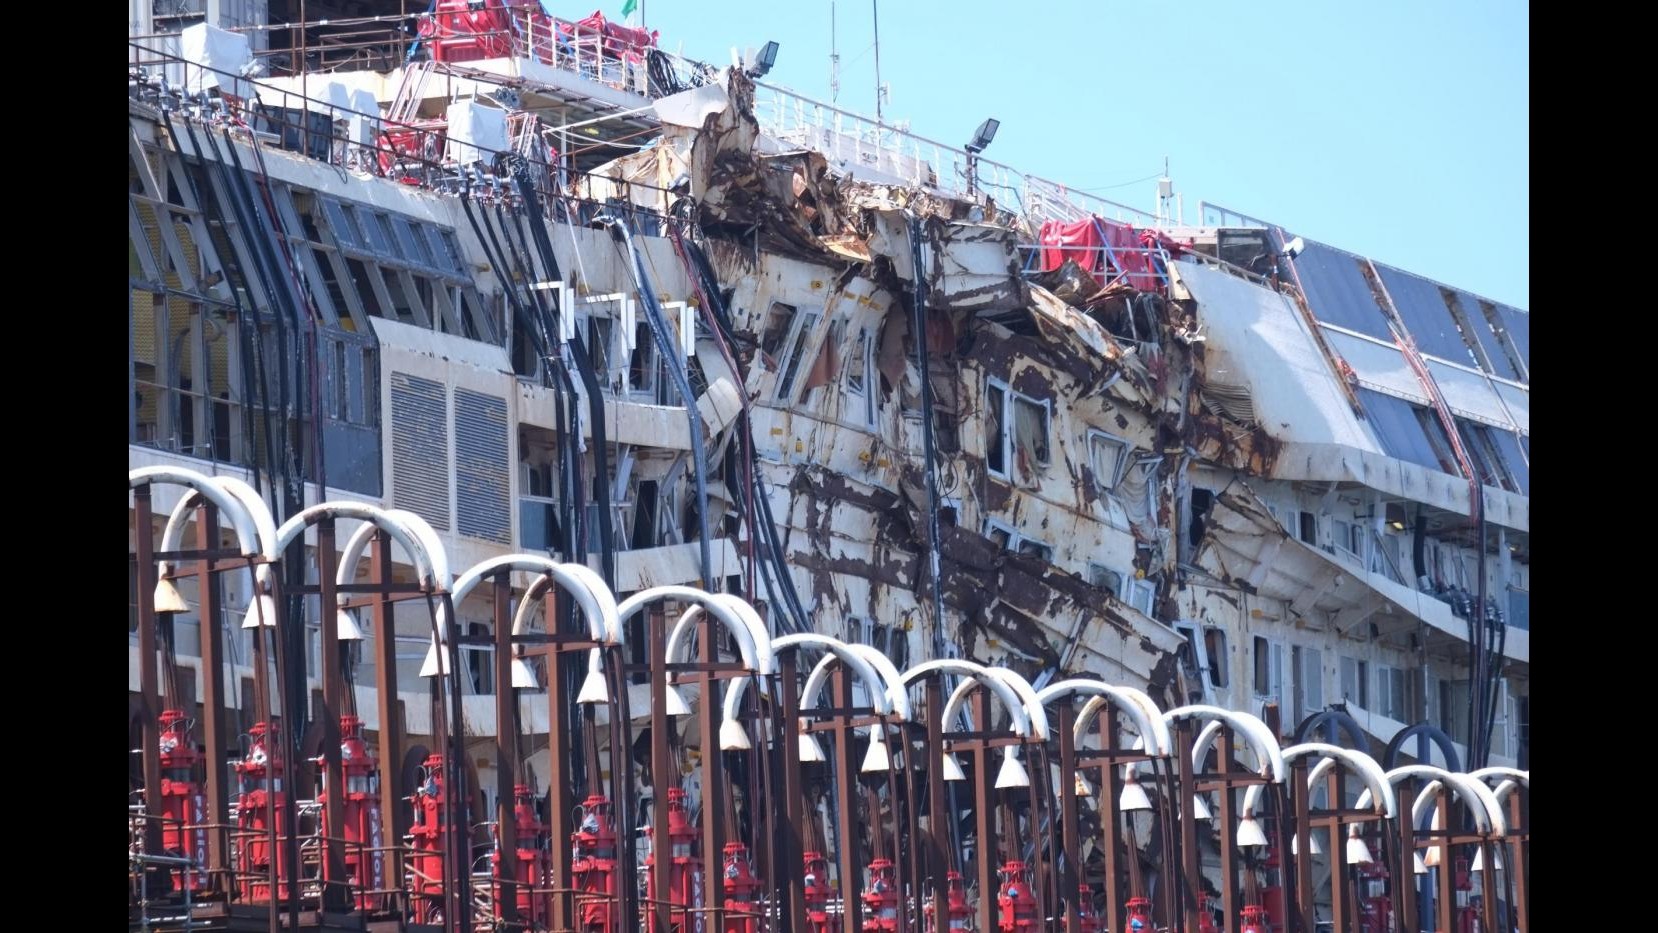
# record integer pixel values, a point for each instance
(846, 785)
(1185, 790)
(984, 813)
(390, 739)
(1336, 800)
(149, 690)
(909, 842)
(789, 868)
(939, 821)
(1305, 894)
(1070, 838)
(1404, 872)
(1488, 884)
(336, 895)
(559, 798)
(210, 608)
(1110, 793)
(506, 751)
(1445, 895)
(713, 776)
(1228, 836)
(1517, 843)
(662, 767)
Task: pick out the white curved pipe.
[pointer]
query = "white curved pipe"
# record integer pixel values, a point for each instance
(1009, 696)
(435, 552)
(745, 627)
(878, 697)
(1255, 732)
(597, 606)
(1034, 710)
(247, 532)
(1375, 779)
(897, 696)
(260, 513)
(1149, 719)
(1476, 796)
(1514, 779)
(295, 526)
(596, 584)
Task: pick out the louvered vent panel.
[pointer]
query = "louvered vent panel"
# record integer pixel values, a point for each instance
(481, 479)
(420, 448)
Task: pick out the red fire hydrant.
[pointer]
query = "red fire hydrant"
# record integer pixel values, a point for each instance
(259, 809)
(1375, 907)
(685, 877)
(1087, 920)
(534, 908)
(365, 866)
(182, 807)
(1206, 915)
(1254, 919)
(818, 893)
(742, 913)
(881, 900)
(1017, 903)
(958, 915)
(429, 840)
(1468, 917)
(593, 864)
(1139, 914)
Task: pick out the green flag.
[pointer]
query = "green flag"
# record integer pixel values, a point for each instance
(628, 8)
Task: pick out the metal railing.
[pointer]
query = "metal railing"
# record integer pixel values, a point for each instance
(889, 153)
(415, 153)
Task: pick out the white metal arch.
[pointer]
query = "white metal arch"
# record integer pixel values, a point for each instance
(597, 605)
(1509, 780)
(1476, 796)
(1011, 697)
(879, 696)
(1147, 718)
(1255, 732)
(230, 504)
(753, 642)
(432, 569)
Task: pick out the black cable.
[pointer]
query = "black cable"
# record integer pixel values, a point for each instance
(665, 348)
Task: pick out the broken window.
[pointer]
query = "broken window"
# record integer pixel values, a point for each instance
(1106, 578)
(860, 377)
(1309, 679)
(1008, 538)
(1214, 647)
(1141, 594)
(1309, 528)
(794, 353)
(643, 363)
(1355, 682)
(480, 661)
(1269, 669)
(1107, 456)
(779, 321)
(1025, 446)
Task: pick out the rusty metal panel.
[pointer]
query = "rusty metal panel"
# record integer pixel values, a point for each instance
(482, 482)
(420, 448)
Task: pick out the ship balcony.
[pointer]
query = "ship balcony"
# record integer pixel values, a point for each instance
(1246, 545)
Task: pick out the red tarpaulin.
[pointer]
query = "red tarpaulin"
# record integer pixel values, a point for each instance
(619, 40)
(1103, 248)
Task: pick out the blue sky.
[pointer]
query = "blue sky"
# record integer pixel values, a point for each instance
(1397, 129)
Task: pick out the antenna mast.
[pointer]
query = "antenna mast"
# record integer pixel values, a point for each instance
(880, 92)
(834, 58)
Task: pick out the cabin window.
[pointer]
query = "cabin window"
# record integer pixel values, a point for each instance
(643, 363)
(1107, 456)
(1008, 538)
(1104, 577)
(860, 376)
(794, 354)
(1309, 528)
(1355, 682)
(1214, 647)
(1392, 693)
(1017, 440)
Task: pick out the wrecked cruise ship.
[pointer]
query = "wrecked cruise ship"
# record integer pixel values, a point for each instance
(556, 291)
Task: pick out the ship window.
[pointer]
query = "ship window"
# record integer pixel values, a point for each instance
(1019, 426)
(1008, 538)
(779, 320)
(860, 376)
(1355, 682)
(1102, 576)
(795, 352)
(1106, 459)
(642, 364)
(1309, 528)
(1214, 646)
